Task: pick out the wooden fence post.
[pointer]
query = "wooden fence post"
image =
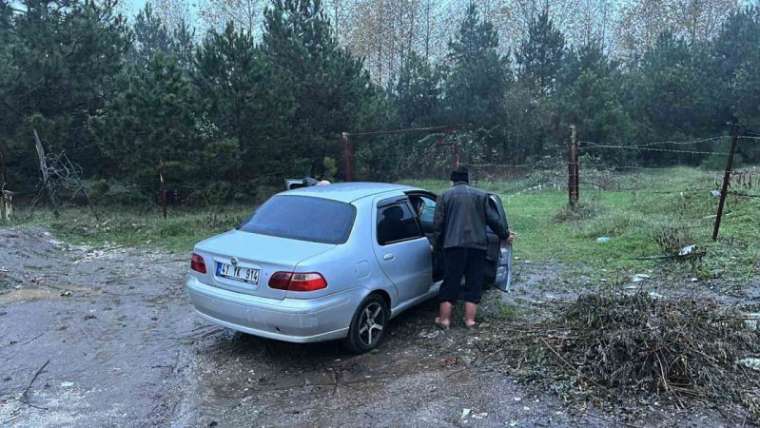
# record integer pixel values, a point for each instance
(573, 169)
(726, 181)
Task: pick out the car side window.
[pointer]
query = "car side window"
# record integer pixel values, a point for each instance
(396, 222)
(424, 207)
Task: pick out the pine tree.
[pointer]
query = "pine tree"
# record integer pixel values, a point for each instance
(735, 65)
(183, 45)
(737, 56)
(7, 67)
(7, 115)
(150, 122)
(418, 93)
(63, 58)
(478, 77)
(670, 97)
(150, 37)
(328, 86)
(232, 78)
(540, 54)
(589, 92)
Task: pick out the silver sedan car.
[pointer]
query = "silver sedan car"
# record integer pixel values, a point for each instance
(326, 262)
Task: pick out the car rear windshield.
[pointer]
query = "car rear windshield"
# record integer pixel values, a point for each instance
(303, 218)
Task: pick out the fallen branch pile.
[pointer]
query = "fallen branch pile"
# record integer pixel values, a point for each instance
(634, 346)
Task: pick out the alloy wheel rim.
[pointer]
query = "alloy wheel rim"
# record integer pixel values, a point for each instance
(371, 324)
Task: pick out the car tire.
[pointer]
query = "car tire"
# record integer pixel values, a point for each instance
(368, 325)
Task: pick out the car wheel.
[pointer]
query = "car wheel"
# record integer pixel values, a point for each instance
(368, 325)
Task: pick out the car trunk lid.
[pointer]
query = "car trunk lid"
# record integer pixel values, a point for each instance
(268, 254)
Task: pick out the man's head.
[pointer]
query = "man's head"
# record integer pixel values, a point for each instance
(461, 174)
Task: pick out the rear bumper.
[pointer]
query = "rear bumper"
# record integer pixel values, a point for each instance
(289, 320)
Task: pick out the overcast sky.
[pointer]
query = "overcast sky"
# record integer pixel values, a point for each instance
(132, 7)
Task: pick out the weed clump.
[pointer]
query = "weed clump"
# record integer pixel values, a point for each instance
(673, 238)
(582, 211)
(637, 347)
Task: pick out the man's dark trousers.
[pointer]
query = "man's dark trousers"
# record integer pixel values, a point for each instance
(467, 262)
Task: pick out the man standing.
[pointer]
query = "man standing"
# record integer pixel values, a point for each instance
(461, 217)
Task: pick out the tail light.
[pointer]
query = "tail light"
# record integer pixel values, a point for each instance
(197, 264)
(280, 280)
(292, 281)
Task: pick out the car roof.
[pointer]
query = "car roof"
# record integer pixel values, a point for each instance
(348, 192)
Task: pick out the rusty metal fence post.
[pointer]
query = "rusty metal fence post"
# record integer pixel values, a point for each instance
(573, 170)
(348, 157)
(455, 159)
(726, 181)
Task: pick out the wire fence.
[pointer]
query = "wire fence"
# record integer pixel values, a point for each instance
(591, 145)
(596, 176)
(714, 185)
(551, 173)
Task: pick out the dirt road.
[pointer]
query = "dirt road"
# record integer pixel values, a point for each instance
(107, 337)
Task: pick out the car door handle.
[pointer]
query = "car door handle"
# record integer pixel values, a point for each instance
(389, 257)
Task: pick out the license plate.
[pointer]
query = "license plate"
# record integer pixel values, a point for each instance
(238, 273)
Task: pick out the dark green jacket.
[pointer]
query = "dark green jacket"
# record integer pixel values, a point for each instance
(461, 217)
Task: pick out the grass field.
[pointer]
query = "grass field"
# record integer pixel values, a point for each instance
(142, 228)
(670, 209)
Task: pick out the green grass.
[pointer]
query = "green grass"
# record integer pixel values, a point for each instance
(140, 228)
(548, 230)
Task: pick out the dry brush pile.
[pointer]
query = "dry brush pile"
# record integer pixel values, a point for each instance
(614, 348)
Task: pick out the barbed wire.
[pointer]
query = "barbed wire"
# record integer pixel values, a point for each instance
(655, 192)
(502, 165)
(592, 145)
(681, 142)
(744, 195)
(742, 171)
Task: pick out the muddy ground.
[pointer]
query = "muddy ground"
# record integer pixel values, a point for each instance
(107, 337)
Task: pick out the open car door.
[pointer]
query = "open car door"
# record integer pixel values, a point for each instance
(424, 205)
(499, 253)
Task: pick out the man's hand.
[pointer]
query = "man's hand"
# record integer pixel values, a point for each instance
(511, 237)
